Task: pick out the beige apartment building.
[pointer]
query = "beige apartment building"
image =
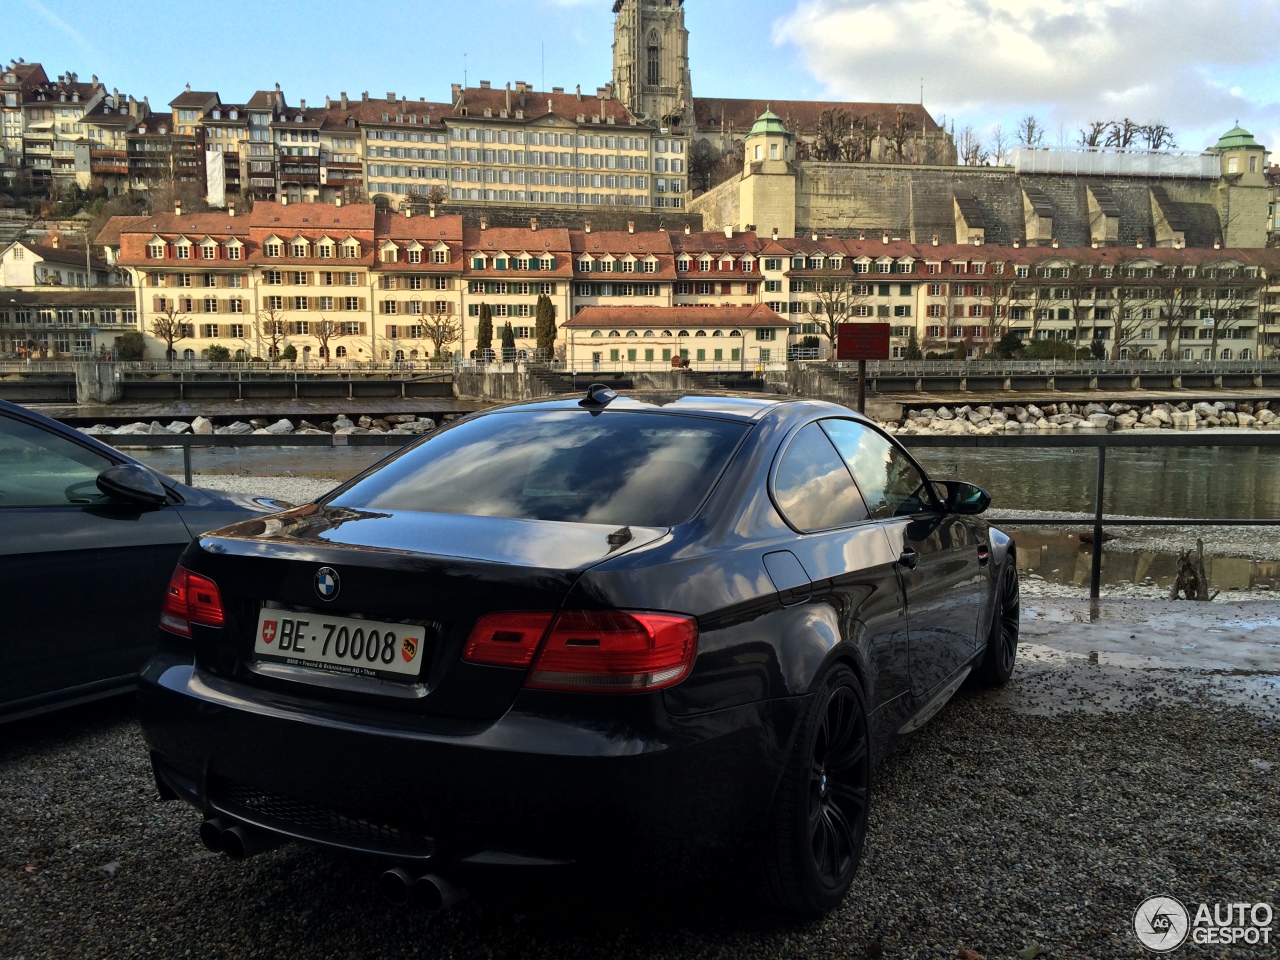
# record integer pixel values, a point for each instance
(378, 282)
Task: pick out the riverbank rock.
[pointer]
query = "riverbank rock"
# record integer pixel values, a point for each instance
(1184, 419)
(280, 427)
(239, 428)
(202, 427)
(178, 426)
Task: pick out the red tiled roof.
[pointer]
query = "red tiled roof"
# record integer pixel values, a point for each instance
(424, 113)
(422, 227)
(801, 116)
(715, 243)
(755, 315)
(517, 239)
(316, 217)
(109, 235)
(620, 242)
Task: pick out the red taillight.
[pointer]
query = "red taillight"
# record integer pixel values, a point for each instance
(615, 651)
(506, 639)
(190, 598)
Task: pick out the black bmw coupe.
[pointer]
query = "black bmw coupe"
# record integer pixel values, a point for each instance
(582, 631)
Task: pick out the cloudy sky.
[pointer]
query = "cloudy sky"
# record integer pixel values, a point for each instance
(1196, 65)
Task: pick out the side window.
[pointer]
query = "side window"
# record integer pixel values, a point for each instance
(812, 487)
(890, 483)
(39, 469)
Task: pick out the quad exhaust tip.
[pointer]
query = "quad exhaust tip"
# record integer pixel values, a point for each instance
(401, 888)
(237, 840)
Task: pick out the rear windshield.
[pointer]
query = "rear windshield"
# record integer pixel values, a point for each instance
(616, 468)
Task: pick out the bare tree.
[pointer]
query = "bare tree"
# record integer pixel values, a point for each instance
(996, 296)
(325, 330)
(836, 297)
(1126, 299)
(269, 328)
(1094, 135)
(1030, 132)
(900, 133)
(1157, 136)
(969, 146)
(442, 330)
(171, 326)
(1123, 134)
(832, 133)
(1230, 296)
(998, 145)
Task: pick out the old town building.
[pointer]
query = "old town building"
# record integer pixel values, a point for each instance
(377, 285)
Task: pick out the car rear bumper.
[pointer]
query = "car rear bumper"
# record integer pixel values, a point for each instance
(528, 788)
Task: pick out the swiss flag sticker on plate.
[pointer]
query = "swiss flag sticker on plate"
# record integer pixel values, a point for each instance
(268, 631)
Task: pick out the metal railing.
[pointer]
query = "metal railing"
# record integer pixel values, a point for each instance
(959, 368)
(1101, 443)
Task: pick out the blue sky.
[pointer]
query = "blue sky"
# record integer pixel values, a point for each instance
(1196, 65)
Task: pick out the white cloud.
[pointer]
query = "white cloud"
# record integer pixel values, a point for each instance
(1069, 61)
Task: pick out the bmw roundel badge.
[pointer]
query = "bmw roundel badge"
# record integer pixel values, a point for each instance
(327, 583)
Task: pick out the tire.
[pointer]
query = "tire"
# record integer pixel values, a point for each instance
(814, 839)
(1002, 641)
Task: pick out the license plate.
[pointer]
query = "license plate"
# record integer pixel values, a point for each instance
(340, 644)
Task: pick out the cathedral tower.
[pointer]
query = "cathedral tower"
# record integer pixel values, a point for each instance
(651, 61)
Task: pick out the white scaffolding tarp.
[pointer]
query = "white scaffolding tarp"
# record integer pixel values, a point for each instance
(1108, 163)
(215, 174)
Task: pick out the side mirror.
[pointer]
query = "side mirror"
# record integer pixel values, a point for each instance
(132, 482)
(961, 497)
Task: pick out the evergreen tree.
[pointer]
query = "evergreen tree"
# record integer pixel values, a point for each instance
(508, 343)
(913, 348)
(545, 328)
(484, 333)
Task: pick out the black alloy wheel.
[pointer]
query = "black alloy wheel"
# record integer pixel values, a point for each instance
(820, 820)
(1002, 641)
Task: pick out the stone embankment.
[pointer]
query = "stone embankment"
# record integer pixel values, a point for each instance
(990, 420)
(398, 423)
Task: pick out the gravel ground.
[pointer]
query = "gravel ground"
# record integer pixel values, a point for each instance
(1135, 753)
(1038, 815)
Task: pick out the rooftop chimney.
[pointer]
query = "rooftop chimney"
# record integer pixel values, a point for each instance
(935, 239)
(484, 223)
(485, 85)
(431, 210)
(631, 226)
(728, 231)
(328, 104)
(586, 226)
(1055, 243)
(187, 88)
(364, 96)
(343, 100)
(177, 208)
(337, 201)
(1017, 242)
(391, 95)
(284, 199)
(508, 96)
(815, 235)
(231, 209)
(775, 232)
(1217, 243)
(408, 211)
(579, 90)
(884, 237)
(302, 104)
(686, 230)
(533, 223)
(1139, 243)
(53, 241)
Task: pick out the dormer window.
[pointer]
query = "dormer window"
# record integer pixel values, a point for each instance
(606, 266)
(299, 249)
(415, 256)
(682, 265)
(324, 251)
(584, 266)
(389, 255)
(477, 263)
(155, 251)
(233, 114)
(351, 251)
(271, 249)
(797, 263)
(439, 256)
(217, 114)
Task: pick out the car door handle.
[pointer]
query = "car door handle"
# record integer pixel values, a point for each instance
(984, 554)
(909, 558)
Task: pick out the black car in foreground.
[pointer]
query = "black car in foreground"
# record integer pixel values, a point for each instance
(582, 632)
(88, 539)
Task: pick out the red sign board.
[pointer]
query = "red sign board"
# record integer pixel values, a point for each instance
(862, 341)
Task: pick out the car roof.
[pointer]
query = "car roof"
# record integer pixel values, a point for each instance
(56, 426)
(745, 409)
